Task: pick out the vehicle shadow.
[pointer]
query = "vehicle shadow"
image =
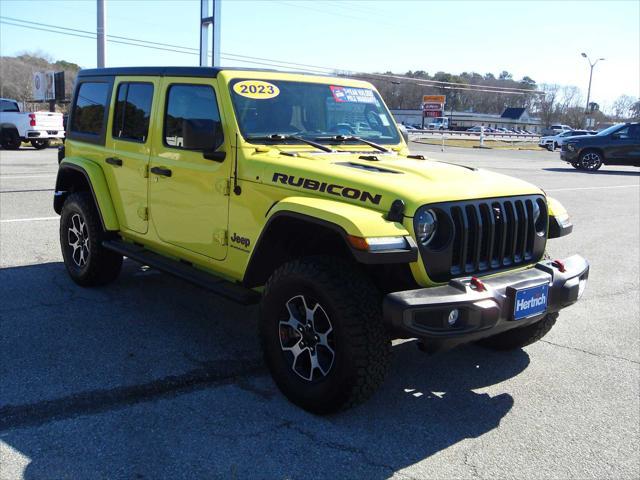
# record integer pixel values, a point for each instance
(153, 378)
(597, 172)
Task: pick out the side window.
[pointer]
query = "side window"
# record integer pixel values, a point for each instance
(192, 119)
(634, 131)
(622, 134)
(8, 106)
(133, 108)
(88, 115)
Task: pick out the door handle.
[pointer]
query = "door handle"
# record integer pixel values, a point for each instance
(165, 172)
(114, 161)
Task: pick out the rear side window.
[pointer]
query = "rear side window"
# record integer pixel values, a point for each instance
(192, 119)
(7, 106)
(133, 107)
(88, 115)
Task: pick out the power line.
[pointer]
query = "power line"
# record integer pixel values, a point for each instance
(260, 60)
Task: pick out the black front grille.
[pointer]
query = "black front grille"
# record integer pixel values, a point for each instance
(484, 236)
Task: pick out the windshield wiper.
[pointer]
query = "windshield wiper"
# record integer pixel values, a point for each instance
(278, 136)
(343, 138)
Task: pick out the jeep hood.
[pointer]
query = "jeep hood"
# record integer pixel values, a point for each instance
(377, 183)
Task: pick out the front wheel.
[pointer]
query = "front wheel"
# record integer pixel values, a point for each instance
(591, 160)
(322, 334)
(81, 236)
(40, 144)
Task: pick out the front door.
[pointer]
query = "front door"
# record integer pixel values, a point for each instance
(128, 140)
(188, 193)
(624, 148)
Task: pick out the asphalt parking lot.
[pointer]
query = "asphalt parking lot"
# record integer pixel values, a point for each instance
(151, 377)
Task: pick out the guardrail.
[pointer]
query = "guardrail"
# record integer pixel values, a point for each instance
(487, 135)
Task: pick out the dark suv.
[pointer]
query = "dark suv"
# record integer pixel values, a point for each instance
(616, 145)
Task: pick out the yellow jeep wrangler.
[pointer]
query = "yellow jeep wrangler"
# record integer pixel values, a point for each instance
(298, 191)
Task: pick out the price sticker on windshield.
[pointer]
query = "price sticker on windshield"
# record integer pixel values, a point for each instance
(256, 89)
(352, 95)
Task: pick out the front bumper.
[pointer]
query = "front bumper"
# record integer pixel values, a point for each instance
(424, 313)
(568, 156)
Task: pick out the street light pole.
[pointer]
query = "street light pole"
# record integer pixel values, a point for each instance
(102, 33)
(591, 65)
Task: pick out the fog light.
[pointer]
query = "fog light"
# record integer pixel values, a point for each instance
(581, 286)
(453, 316)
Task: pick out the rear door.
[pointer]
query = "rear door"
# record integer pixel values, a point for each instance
(188, 193)
(129, 141)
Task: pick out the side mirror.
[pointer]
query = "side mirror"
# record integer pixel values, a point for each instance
(215, 156)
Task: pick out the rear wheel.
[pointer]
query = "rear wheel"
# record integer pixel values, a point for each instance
(590, 160)
(10, 140)
(40, 144)
(322, 334)
(81, 236)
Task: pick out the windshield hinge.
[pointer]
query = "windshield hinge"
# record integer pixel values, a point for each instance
(220, 236)
(224, 187)
(143, 213)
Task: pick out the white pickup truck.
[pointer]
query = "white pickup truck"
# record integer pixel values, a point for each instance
(17, 127)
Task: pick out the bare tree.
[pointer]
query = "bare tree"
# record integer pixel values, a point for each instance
(621, 108)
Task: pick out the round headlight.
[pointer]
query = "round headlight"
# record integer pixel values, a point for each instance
(426, 225)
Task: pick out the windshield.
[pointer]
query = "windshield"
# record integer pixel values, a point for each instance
(324, 113)
(609, 130)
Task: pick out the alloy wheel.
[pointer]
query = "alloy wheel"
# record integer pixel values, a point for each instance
(590, 161)
(78, 239)
(307, 338)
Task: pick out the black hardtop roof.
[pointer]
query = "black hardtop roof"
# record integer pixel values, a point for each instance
(206, 72)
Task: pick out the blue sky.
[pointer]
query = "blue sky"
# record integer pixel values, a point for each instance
(541, 39)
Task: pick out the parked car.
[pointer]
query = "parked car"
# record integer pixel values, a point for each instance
(555, 141)
(616, 145)
(347, 242)
(35, 127)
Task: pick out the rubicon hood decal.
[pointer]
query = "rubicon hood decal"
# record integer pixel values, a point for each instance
(331, 188)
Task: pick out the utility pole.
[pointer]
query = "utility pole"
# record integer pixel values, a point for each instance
(102, 33)
(591, 64)
(209, 17)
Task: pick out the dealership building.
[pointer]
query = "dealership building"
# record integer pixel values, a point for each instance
(510, 118)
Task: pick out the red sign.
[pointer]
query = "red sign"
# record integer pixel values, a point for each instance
(432, 113)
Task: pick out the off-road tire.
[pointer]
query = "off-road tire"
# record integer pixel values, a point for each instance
(100, 266)
(40, 144)
(354, 307)
(522, 336)
(10, 140)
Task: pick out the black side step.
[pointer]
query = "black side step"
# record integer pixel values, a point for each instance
(185, 271)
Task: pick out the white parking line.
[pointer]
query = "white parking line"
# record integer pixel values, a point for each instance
(34, 219)
(589, 188)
